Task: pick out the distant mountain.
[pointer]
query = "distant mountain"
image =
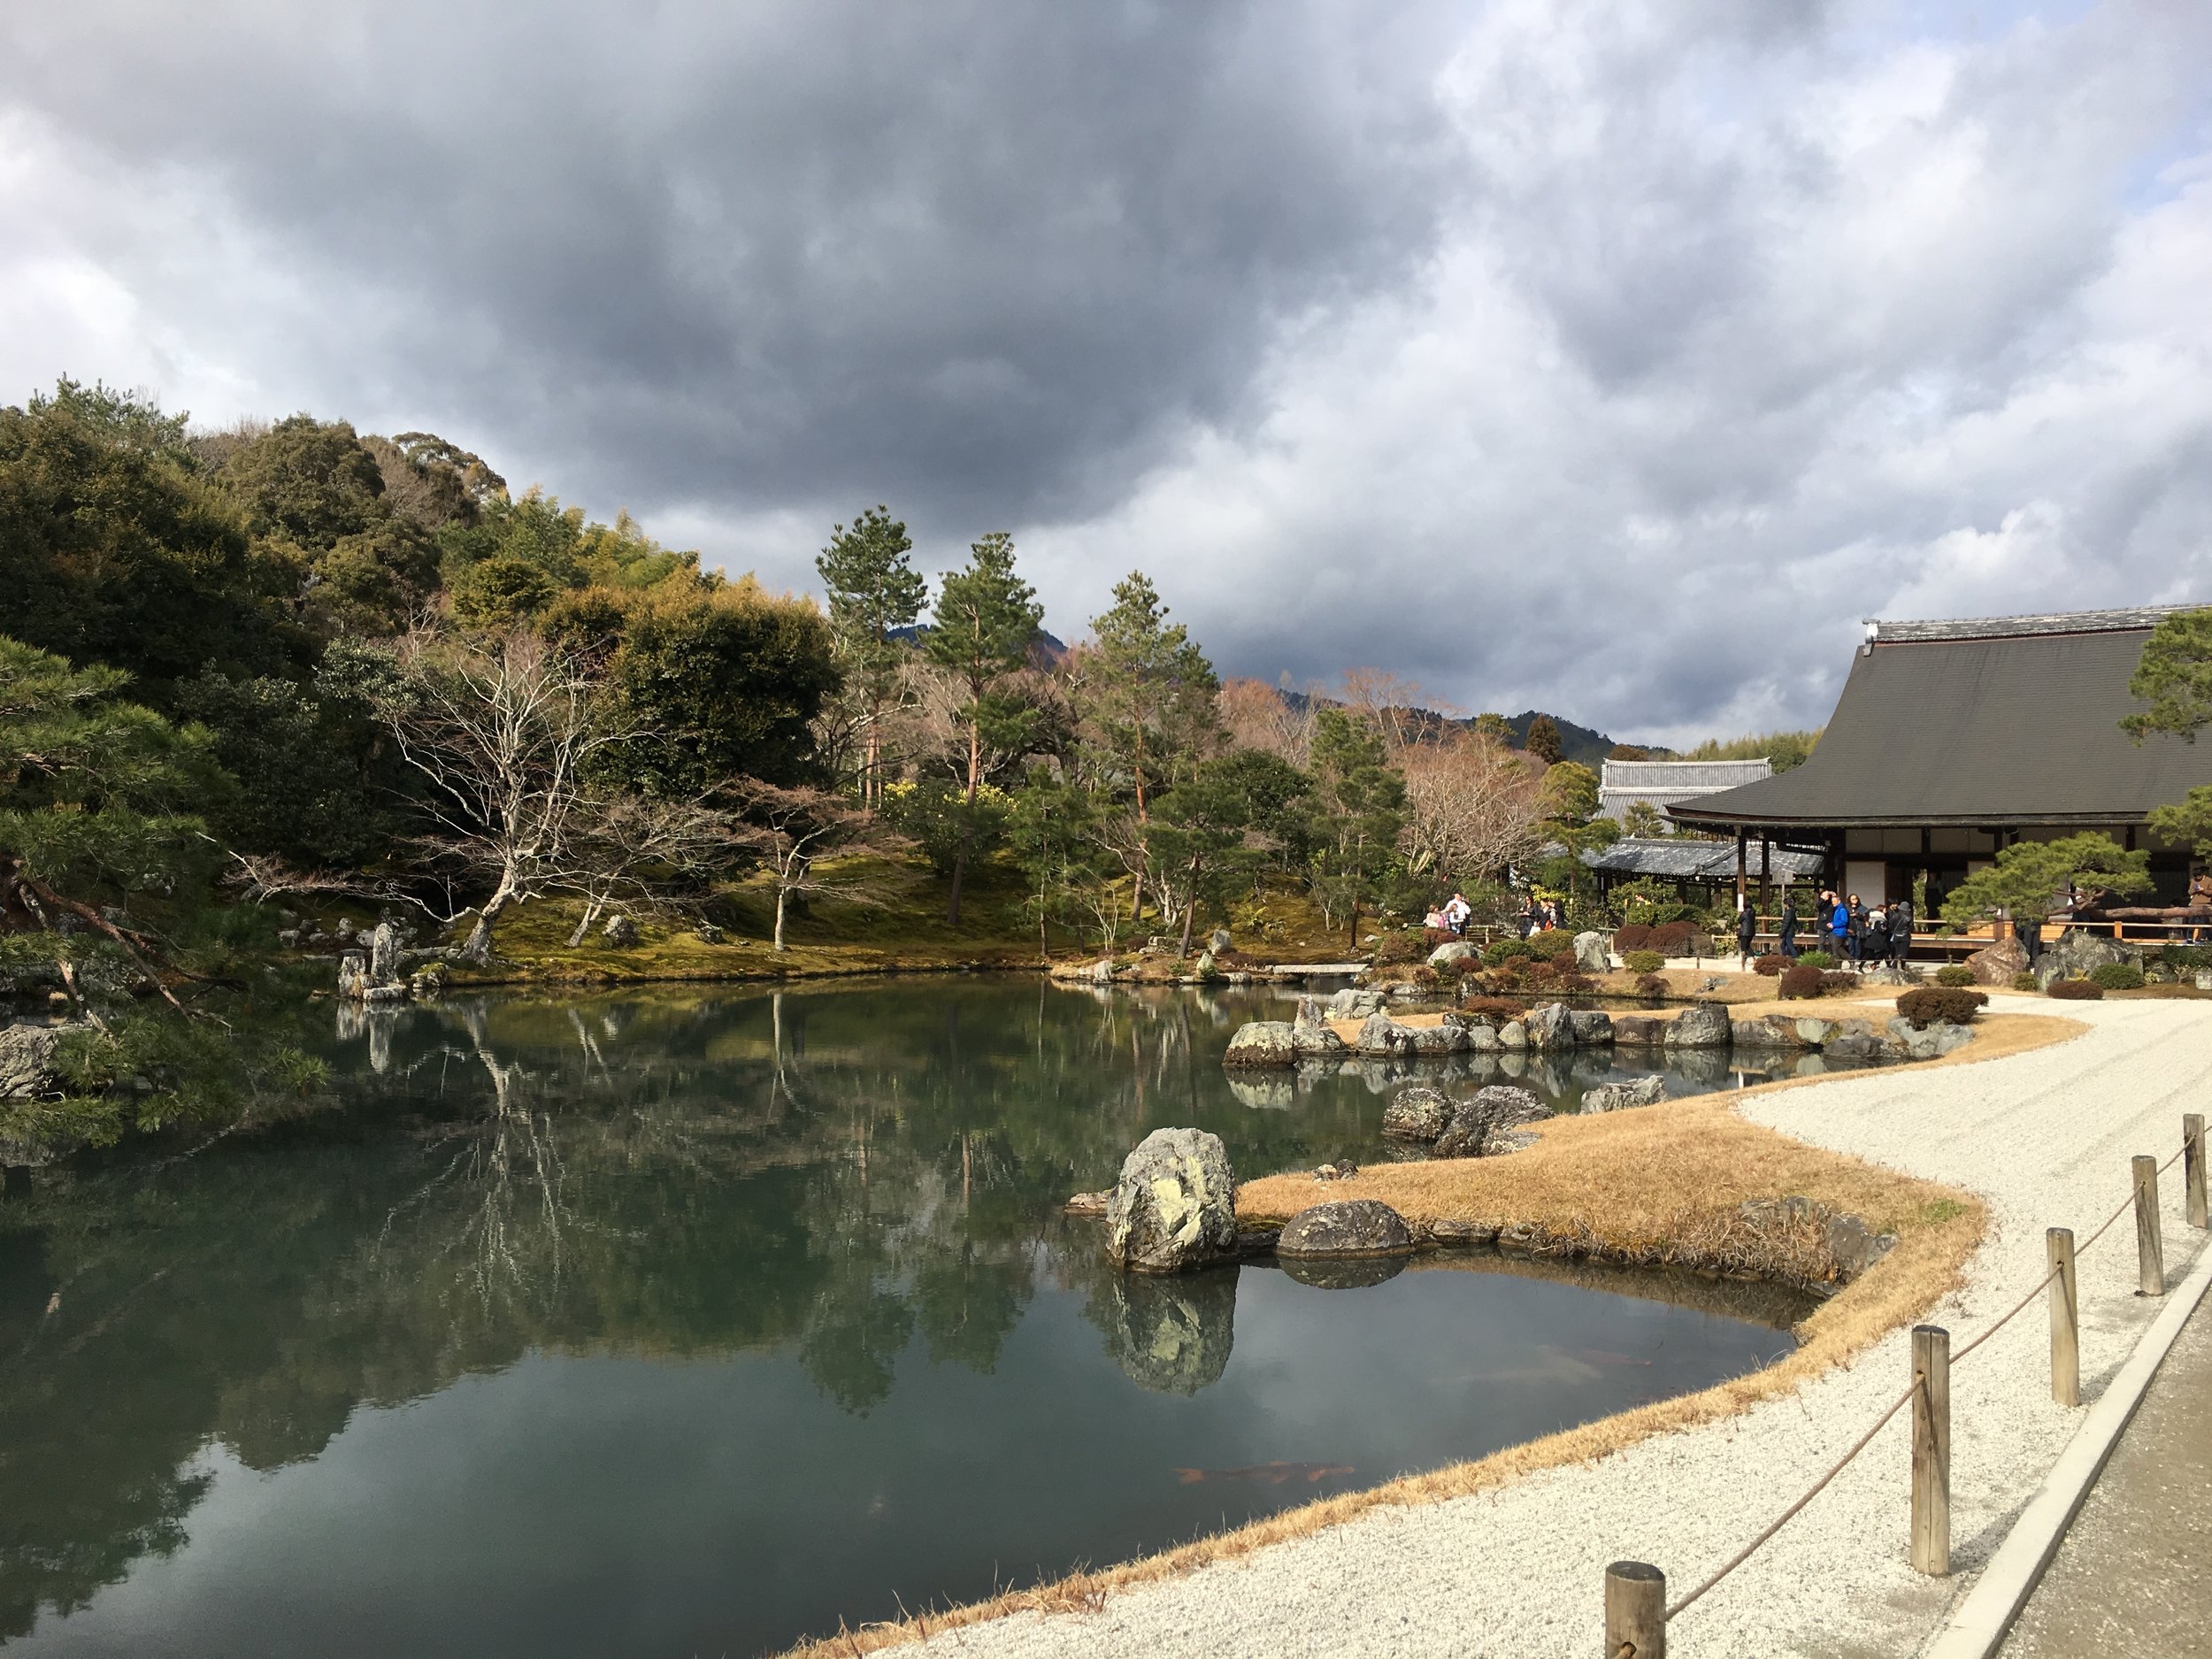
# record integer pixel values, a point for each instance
(1577, 743)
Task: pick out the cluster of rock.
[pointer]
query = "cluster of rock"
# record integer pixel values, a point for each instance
(1554, 1028)
(380, 973)
(1483, 1126)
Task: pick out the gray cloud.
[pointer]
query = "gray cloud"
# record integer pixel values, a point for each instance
(1613, 358)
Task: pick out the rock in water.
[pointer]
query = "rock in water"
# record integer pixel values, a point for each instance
(1444, 1038)
(384, 955)
(1103, 971)
(1381, 1034)
(1481, 1126)
(1699, 1025)
(1311, 1035)
(1419, 1113)
(1263, 1043)
(1931, 1043)
(1551, 1026)
(1612, 1097)
(26, 1061)
(1594, 1026)
(1349, 1226)
(1174, 1207)
(1592, 952)
(1513, 1034)
(353, 975)
(1173, 1335)
(621, 931)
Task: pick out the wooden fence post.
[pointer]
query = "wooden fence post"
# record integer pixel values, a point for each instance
(2150, 1244)
(1635, 1611)
(1932, 1450)
(2065, 1318)
(2192, 1167)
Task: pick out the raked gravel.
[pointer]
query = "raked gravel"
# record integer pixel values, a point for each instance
(2044, 1137)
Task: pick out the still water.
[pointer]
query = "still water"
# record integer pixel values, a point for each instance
(690, 1321)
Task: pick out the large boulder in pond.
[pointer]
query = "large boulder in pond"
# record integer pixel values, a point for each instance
(1350, 1226)
(1999, 964)
(1380, 1035)
(1353, 1003)
(1551, 1026)
(1417, 1113)
(1263, 1043)
(2076, 955)
(1446, 1036)
(1311, 1035)
(1170, 1335)
(1592, 952)
(1594, 1026)
(1635, 1031)
(1174, 1207)
(1613, 1098)
(1699, 1025)
(1483, 1126)
(1932, 1042)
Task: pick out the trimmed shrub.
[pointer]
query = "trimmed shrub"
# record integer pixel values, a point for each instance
(1498, 1008)
(2076, 990)
(1396, 948)
(1771, 965)
(1672, 939)
(1426, 977)
(1817, 959)
(1957, 975)
(1642, 961)
(1833, 980)
(1802, 980)
(1944, 1004)
(1651, 986)
(1630, 936)
(2024, 981)
(2118, 976)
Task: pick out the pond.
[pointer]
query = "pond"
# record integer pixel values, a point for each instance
(694, 1321)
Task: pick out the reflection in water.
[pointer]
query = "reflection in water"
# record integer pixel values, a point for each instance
(668, 1281)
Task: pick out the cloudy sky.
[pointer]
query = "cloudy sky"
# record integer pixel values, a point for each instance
(1612, 358)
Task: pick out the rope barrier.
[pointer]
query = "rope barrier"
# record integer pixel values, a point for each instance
(1897, 1405)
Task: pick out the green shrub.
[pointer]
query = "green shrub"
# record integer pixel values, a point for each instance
(1957, 975)
(1817, 959)
(2024, 981)
(2118, 976)
(2076, 990)
(1771, 965)
(1642, 961)
(1802, 980)
(1947, 1004)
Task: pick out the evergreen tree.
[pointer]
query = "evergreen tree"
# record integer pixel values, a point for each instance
(1543, 740)
(1362, 812)
(986, 620)
(872, 589)
(1151, 690)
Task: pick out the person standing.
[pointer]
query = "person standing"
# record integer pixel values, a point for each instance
(1747, 929)
(1839, 924)
(1786, 928)
(1874, 937)
(1901, 924)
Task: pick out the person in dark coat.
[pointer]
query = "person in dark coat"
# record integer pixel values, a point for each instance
(1901, 923)
(1747, 929)
(1855, 929)
(1874, 937)
(1787, 928)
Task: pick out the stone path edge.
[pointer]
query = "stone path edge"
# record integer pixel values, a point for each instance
(1977, 1626)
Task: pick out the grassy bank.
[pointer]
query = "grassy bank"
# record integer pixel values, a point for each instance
(1661, 1184)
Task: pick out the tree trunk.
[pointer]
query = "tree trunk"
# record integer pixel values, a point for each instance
(782, 893)
(1355, 924)
(1190, 912)
(479, 943)
(583, 926)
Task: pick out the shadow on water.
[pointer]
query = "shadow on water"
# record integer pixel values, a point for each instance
(692, 1320)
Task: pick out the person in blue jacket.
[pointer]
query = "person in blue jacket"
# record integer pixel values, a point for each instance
(1838, 922)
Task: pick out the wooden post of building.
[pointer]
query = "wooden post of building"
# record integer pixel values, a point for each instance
(1635, 1611)
(1932, 1450)
(1742, 837)
(2150, 1245)
(2193, 1167)
(2065, 1318)
(1766, 872)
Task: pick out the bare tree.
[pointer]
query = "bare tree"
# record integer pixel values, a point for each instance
(1395, 709)
(501, 731)
(1255, 714)
(624, 847)
(1473, 805)
(793, 830)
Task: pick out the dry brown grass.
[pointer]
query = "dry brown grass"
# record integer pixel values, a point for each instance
(1656, 1184)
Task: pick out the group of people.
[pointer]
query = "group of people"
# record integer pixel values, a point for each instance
(1451, 916)
(1539, 916)
(1854, 933)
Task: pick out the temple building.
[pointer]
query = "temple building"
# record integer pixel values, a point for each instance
(1953, 739)
(1660, 784)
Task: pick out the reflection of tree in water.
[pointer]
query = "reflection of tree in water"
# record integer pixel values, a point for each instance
(833, 1174)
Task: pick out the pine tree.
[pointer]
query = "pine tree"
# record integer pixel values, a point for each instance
(986, 619)
(872, 589)
(1543, 740)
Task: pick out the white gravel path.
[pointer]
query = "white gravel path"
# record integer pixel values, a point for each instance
(2044, 1137)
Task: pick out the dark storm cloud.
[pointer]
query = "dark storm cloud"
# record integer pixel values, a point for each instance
(977, 258)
